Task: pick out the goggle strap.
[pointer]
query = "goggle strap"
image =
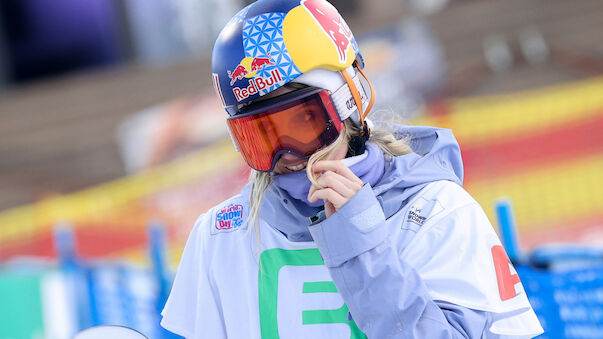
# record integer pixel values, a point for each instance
(356, 96)
(343, 95)
(372, 100)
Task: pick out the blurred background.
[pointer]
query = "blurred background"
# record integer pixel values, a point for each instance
(112, 142)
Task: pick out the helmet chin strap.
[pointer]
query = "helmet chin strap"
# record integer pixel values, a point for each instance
(357, 99)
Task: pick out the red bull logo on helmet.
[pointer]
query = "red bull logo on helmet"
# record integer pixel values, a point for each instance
(259, 63)
(248, 67)
(332, 25)
(237, 74)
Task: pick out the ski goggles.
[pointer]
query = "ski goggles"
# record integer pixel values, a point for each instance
(299, 123)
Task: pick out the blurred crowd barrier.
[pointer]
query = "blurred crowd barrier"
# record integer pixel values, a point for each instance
(542, 148)
(568, 302)
(44, 300)
(564, 282)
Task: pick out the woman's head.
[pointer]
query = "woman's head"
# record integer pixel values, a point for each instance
(272, 42)
(287, 74)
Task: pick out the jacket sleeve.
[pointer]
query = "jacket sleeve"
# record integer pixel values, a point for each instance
(193, 292)
(385, 295)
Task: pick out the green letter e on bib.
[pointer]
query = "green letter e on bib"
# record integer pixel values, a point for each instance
(272, 262)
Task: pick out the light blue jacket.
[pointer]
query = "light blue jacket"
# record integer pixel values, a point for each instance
(385, 295)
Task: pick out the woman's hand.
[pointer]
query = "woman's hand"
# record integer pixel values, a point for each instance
(339, 185)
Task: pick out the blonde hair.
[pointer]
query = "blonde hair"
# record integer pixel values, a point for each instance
(260, 181)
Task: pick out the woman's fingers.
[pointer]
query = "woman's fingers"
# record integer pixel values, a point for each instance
(339, 184)
(338, 167)
(328, 195)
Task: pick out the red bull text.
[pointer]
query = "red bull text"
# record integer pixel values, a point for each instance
(332, 25)
(256, 85)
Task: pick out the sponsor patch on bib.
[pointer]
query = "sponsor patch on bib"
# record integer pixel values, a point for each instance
(420, 211)
(229, 218)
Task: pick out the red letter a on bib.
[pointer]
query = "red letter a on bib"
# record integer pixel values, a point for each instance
(506, 280)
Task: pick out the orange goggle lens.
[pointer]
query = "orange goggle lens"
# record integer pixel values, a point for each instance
(300, 125)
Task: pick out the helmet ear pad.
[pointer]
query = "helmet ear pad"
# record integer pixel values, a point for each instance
(341, 94)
